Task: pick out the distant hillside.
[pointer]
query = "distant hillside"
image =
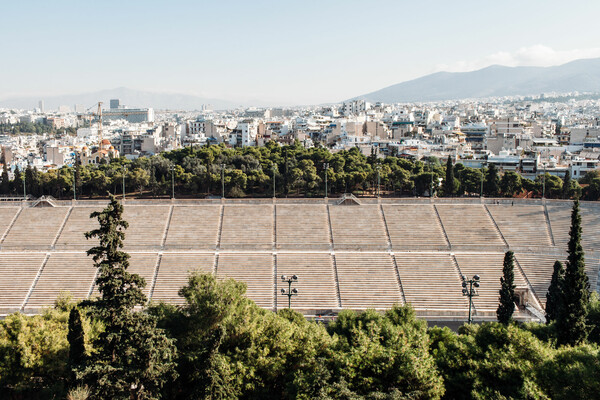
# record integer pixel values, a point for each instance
(496, 80)
(130, 97)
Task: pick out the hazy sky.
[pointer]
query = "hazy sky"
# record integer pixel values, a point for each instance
(287, 52)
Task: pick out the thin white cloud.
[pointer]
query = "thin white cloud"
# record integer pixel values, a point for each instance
(537, 55)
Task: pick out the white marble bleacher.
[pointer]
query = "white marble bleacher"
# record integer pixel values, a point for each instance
(489, 267)
(64, 272)
(35, 228)
(302, 226)
(522, 225)
(193, 227)
(469, 225)
(78, 223)
(367, 280)
(6, 216)
(316, 280)
(357, 227)
(247, 227)
(414, 227)
(146, 226)
(17, 274)
(538, 269)
(431, 282)
(254, 269)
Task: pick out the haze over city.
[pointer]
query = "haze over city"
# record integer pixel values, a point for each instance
(280, 53)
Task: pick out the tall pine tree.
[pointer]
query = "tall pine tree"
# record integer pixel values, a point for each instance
(506, 308)
(5, 182)
(449, 186)
(491, 181)
(566, 188)
(571, 321)
(76, 339)
(134, 359)
(555, 293)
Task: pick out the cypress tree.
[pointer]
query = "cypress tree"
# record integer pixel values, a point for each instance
(76, 339)
(133, 358)
(554, 294)
(566, 188)
(449, 187)
(571, 322)
(5, 184)
(506, 308)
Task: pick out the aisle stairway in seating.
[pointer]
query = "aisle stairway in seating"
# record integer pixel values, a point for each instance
(174, 272)
(414, 227)
(367, 280)
(35, 228)
(17, 274)
(316, 281)
(64, 272)
(7, 215)
(469, 226)
(522, 226)
(247, 227)
(302, 226)
(431, 282)
(193, 227)
(256, 270)
(146, 226)
(358, 227)
(79, 222)
(538, 268)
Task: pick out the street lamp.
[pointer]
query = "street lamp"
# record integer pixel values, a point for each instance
(289, 292)
(24, 186)
(431, 184)
(274, 193)
(74, 187)
(123, 173)
(325, 168)
(471, 291)
(481, 190)
(222, 181)
(378, 168)
(172, 181)
(544, 182)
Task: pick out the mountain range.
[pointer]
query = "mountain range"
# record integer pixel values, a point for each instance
(129, 97)
(494, 81)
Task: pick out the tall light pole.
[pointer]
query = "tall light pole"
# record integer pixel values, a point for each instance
(378, 180)
(289, 292)
(471, 291)
(544, 182)
(431, 184)
(325, 168)
(24, 186)
(481, 190)
(123, 173)
(172, 181)
(274, 188)
(222, 181)
(74, 187)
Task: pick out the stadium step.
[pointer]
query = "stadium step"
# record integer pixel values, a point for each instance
(62, 227)
(12, 222)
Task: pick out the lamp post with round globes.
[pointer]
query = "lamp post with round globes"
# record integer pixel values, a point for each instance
(470, 290)
(289, 292)
(325, 168)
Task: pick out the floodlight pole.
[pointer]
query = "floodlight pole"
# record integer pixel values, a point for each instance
(471, 292)
(290, 292)
(326, 167)
(274, 192)
(222, 181)
(172, 181)
(123, 169)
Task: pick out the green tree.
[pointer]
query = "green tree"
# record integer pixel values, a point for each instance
(449, 184)
(571, 322)
(490, 185)
(506, 308)
(76, 339)
(133, 358)
(566, 187)
(555, 292)
(5, 180)
(510, 183)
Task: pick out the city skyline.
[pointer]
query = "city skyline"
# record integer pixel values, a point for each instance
(289, 54)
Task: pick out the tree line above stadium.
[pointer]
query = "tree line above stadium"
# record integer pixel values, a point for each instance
(290, 170)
